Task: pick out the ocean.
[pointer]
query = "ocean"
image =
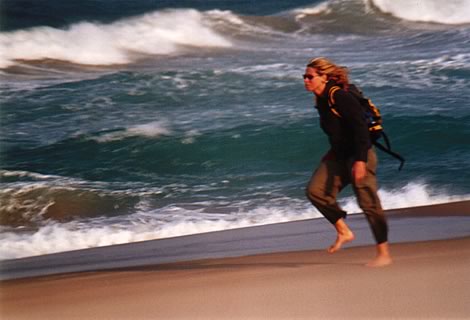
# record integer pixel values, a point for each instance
(125, 121)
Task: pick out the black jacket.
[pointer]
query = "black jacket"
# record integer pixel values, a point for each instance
(348, 134)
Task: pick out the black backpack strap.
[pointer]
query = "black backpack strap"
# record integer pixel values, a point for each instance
(387, 141)
(389, 151)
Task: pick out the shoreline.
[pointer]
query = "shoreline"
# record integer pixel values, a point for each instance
(406, 225)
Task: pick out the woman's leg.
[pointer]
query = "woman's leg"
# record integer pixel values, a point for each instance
(368, 200)
(322, 190)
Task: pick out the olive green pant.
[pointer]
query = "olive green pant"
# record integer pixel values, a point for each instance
(332, 176)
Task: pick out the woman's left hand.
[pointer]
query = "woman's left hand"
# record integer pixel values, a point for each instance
(359, 171)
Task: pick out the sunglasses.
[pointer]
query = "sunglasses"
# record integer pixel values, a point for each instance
(308, 76)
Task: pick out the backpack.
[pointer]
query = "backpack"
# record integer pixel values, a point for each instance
(373, 119)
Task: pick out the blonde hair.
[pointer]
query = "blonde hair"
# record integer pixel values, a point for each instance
(333, 72)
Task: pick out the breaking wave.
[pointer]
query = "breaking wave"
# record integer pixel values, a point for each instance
(436, 11)
(149, 130)
(158, 33)
(433, 11)
(147, 223)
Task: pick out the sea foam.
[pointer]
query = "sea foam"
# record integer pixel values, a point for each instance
(438, 11)
(174, 220)
(157, 33)
(322, 8)
(153, 129)
(434, 11)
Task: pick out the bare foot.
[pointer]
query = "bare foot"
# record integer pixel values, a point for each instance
(341, 239)
(380, 261)
(383, 257)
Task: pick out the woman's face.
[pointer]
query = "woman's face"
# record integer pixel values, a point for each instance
(313, 82)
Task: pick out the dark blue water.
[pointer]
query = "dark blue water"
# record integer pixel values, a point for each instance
(131, 120)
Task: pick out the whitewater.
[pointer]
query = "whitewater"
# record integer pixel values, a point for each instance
(173, 220)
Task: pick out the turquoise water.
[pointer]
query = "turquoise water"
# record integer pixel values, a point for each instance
(162, 122)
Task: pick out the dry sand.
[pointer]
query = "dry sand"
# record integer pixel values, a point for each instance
(428, 280)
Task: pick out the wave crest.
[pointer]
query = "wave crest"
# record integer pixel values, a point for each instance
(33, 205)
(157, 33)
(450, 12)
(362, 15)
(153, 129)
(175, 219)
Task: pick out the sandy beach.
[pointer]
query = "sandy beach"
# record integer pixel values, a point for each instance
(428, 280)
